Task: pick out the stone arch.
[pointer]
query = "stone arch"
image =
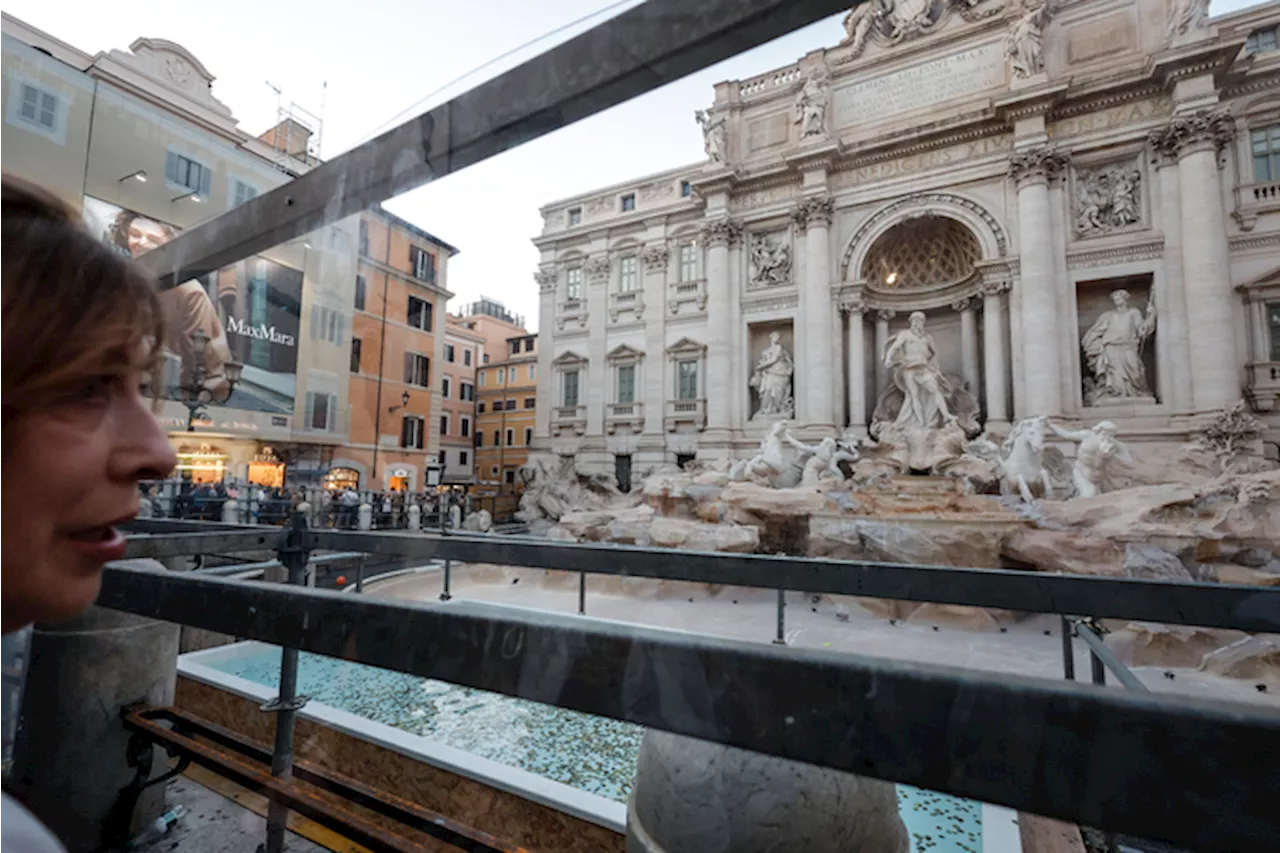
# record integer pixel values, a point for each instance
(988, 231)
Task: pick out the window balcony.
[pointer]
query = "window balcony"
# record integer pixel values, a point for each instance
(623, 301)
(1262, 385)
(1253, 200)
(571, 312)
(688, 413)
(630, 415)
(569, 419)
(687, 297)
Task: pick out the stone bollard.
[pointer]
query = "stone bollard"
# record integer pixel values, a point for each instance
(230, 512)
(415, 517)
(70, 760)
(692, 796)
(455, 516)
(365, 516)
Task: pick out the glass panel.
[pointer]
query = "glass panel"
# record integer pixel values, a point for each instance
(571, 388)
(627, 384)
(687, 380)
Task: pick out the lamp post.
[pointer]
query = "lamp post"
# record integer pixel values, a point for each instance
(377, 424)
(195, 393)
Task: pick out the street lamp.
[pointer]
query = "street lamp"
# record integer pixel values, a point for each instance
(195, 393)
(404, 403)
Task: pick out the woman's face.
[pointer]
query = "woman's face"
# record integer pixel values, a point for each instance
(145, 235)
(70, 474)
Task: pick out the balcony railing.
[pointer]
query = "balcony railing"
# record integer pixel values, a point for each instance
(687, 412)
(1255, 199)
(630, 415)
(686, 297)
(1187, 771)
(572, 418)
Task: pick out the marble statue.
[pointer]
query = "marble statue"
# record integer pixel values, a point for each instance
(1023, 45)
(771, 379)
(913, 360)
(824, 458)
(1113, 350)
(906, 17)
(811, 105)
(715, 135)
(770, 463)
(1096, 456)
(770, 261)
(859, 23)
(1107, 199)
(1022, 465)
(1185, 16)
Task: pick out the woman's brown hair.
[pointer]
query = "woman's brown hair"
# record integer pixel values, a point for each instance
(73, 308)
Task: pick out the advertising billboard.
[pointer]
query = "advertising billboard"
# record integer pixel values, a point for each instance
(248, 312)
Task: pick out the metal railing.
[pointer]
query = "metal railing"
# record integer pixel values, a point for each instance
(1181, 770)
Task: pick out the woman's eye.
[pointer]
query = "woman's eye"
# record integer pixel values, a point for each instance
(98, 389)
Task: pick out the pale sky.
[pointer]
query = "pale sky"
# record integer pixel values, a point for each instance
(381, 56)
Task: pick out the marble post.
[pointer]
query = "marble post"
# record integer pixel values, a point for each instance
(655, 259)
(1170, 298)
(969, 344)
(995, 362)
(547, 278)
(856, 368)
(883, 316)
(815, 332)
(1031, 171)
(719, 235)
(597, 392)
(1215, 376)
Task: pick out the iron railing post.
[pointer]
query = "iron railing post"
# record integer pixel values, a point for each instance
(780, 639)
(1068, 653)
(445, 595)
(582, 593)
(294, 556)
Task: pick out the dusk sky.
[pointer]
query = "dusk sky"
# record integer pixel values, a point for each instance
(381, 57)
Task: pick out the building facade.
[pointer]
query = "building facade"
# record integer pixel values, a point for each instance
(506, 411)
(137, 140)
(1081, 199)
(463, 350)
(397, 348)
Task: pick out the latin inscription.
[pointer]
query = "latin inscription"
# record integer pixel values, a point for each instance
(925, 85)
(1125, 114)
(887, 169)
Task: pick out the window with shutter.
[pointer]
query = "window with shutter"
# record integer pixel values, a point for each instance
(39, 108)
(361, 286)
(511, 437)
(528, 436)
(355, 355)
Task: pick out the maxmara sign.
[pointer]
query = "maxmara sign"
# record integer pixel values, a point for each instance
(915, 87)
(261, 332)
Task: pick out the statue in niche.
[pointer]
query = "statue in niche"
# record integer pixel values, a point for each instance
(1099, 449)
(1107, 199)
(1113, 350)
(770, 261)
(1185, 16)
(913, 359)
(811, 105)
(771, 379)
(715, 135)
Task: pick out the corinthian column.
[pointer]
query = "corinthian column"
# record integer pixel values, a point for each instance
(546, 278)
(968, 344)
(815, 332)
(856, 367)
(1196, 140)
(883, 316)
(719, 235)
(994, 357)
(1031, 171)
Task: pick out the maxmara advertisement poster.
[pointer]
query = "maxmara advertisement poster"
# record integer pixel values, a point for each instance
(249, 312)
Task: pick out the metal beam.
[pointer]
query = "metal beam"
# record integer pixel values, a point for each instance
(228, 541)
(1101, 652)
(1245, 608)
(1176, 769)
(640, 50)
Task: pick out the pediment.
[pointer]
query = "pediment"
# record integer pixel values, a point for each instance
(174, 67)
(686, 346)
(569, 358)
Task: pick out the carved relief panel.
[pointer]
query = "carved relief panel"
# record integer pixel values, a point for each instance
(1108, 198)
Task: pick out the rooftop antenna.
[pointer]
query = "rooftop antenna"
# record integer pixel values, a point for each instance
(324, 90)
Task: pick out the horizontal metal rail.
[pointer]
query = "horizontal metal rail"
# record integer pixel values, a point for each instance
(1175, 769)
(228, 540)
(228, 754)
(1245, 608)
(641, 49)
